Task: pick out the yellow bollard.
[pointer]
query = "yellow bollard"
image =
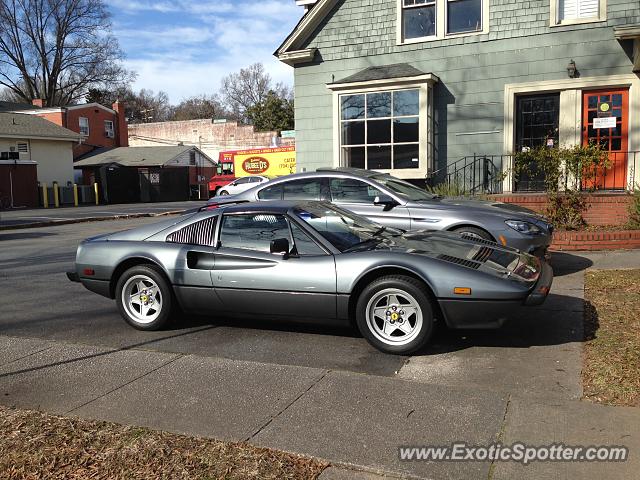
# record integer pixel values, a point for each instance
(45, 195)
(95, 189)
(56, 195)
(75, 194)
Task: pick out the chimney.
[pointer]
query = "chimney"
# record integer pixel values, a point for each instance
(121, 124)
(38, 102)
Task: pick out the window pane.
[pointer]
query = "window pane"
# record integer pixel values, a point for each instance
(353, 133)
(464, 16)
(353, 157)
(379, 158)
(253, 232)
(271, 193)
(352, 107)
(420, 22)
(302, 190)
(347, 190)
(379, 105)
(406, 102)
(378, 131)
(406, 130)
(406, 156)
(305, 246)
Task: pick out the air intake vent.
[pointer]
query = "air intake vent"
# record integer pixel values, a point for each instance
(483, 254)
(479, 240)
(199, 233)
(460, 261)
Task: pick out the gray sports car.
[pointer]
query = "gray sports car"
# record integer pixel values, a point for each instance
(310, 260)
(395, 203)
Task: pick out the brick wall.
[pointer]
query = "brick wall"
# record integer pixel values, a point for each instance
(211, 137)
(602, 208)
(576, 241)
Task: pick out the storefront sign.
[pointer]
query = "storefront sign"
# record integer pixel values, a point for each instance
(604, 122)
(272, 162)
(604, 109)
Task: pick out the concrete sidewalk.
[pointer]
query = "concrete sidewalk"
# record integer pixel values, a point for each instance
(41, 217)
(350, 419)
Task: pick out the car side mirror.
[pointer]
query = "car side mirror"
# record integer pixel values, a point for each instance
(280, 246)
(385, 201)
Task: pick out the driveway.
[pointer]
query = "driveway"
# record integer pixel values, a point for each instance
(309, 389)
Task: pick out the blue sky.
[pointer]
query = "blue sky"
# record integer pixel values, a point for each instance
(185, 47)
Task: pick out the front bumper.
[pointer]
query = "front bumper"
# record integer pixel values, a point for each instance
(489, 314)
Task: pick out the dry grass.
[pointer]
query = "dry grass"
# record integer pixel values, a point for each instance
(35, 445)
(611, 372)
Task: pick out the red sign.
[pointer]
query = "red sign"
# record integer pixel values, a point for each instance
(255, 165)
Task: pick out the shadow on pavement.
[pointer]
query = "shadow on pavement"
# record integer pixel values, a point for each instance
(24, 235)
(568, 263)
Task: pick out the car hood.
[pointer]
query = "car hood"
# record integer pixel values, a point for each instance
(474, 254)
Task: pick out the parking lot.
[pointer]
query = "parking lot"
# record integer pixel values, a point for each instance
(467, 383)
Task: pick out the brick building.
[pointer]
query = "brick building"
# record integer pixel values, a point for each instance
(98, 126)
(211, 136)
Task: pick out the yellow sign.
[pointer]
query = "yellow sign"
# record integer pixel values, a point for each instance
(270, 162)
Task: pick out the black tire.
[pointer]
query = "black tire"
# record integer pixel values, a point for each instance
(475, 232)
(223, 193)
(165, 300)
(401, 283)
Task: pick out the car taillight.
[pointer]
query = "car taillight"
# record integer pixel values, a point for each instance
(88, 272)
(213, 206)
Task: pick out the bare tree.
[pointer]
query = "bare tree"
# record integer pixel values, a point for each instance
(202, 106)
(57, 49)
(248, 88)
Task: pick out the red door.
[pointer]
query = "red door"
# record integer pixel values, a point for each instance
(600, 108)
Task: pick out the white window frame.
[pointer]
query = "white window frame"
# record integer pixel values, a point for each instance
(424, 84)
(554, 15)
(88, 128)
(24, 145)
(441, 23)
(109, 131)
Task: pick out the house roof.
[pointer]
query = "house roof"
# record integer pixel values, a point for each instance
(306, 26)
(383, 72)
(19, 125)
(14, 107)
(136, 156)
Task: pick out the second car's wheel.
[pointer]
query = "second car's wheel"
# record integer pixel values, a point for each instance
(474, 232)
(144, 298)
(394, 314)
(223, 193)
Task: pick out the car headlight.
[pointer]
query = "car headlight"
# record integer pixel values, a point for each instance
(524, 227)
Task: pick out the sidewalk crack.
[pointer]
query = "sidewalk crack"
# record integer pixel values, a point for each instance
(500, 439)
(26, 356)
(177, 357)
(290, 404)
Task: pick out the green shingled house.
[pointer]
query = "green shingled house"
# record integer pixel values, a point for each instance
(418, 87)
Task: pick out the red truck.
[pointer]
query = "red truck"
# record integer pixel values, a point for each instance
(223, 175)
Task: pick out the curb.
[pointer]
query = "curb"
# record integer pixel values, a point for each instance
(52, 223)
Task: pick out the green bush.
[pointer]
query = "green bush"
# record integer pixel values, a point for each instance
(565, 172)
(634, 210)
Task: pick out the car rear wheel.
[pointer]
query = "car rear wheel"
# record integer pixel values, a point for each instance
(475, 232)
(223, 193)
(394, 314)
(144, 298)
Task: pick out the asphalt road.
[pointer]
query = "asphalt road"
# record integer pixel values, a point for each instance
(27, 216)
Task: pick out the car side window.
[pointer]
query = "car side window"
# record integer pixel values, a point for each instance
(349, 190)
(271, 193)
(305, 246)
(243, 180)
(253, 231)
(199, 233)
(305, 189)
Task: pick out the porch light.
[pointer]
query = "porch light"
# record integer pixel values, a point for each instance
(571, 69)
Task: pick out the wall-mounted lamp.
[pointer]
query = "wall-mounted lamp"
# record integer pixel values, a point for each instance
(571, 69)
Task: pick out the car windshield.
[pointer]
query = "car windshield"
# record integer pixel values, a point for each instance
(404, 189)
(344, 230)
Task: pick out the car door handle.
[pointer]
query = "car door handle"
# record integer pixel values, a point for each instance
(200, 260)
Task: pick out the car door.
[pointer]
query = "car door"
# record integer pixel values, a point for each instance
(240, 185)
(358, 196)
(251, 280)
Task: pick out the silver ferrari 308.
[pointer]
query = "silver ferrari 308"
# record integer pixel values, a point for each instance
(310, 261)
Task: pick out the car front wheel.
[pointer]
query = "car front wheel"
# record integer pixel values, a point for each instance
(144, 298)
(223, 193)
(394, 314)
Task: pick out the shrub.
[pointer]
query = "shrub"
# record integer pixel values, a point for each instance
(634, 210)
